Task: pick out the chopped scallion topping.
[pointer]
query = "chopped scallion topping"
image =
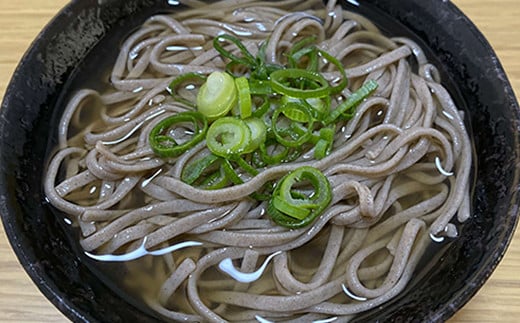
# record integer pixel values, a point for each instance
(255, 115)
(165, 144)
(295, 207)
(228, 137)
(217, 96)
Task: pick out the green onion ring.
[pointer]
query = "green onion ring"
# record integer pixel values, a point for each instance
(247, 60)
(172, 88)
(217, 96)
(352, 101)
(293, 210)
(283, 82)
(244, 97)
(165, 146)
(228, 137)
(296, 113)
(194, 170)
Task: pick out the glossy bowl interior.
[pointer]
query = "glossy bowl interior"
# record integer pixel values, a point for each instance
(77, 38)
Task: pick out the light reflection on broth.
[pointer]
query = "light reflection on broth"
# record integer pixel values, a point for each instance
(399, 173)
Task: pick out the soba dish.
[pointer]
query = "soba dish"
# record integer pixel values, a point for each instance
(254, 161)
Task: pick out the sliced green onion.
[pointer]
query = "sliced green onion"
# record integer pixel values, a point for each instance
(302, 44)
(260, 87)
(230, 173)
(261, 108)
(294, 153)
(244, 97)
(344, 79)
(278, 110)
(232, 176)
(294, 112)
(300, 49)
(165, 145)
(286, 190)
(228, 137)
(352, 101)
(324, 144)
(264, 71)
(276, 156)
(320, 107)
(327, 134)
(311, 53)
(217, 96)
(247, 59)
(291, 208)
(246, 166)
(260, 196)
(321, 149)
(188, 79)
(194, 170)
(258, 133)
(290, 80)
(215, 181)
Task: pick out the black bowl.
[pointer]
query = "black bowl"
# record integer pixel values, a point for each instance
(75, 38)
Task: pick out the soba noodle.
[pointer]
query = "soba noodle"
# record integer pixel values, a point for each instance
(399, 173)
